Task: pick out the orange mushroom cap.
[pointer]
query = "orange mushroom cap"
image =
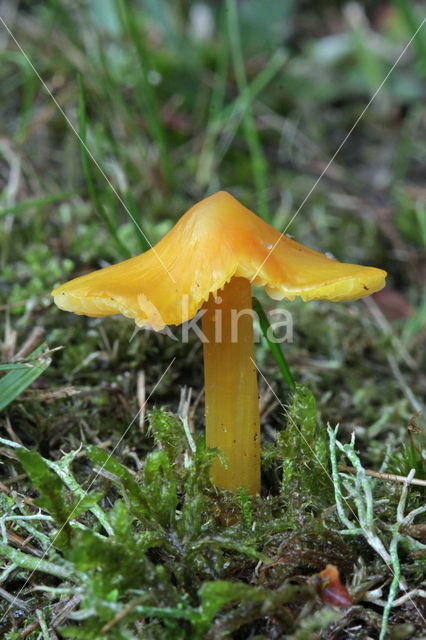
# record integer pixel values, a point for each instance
(215, 240)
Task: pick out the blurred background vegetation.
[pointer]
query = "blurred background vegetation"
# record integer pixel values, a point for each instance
(182, 99)
(176, 100)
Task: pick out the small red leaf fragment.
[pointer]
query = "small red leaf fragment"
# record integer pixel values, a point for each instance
(330, 589)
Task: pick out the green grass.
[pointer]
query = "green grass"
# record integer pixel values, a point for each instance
(21, 375)
(125, 535)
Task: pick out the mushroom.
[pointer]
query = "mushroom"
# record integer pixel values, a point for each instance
(208, 262)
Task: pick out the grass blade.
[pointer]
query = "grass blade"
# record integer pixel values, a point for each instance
(152, 107)
(35, 203)
(90, 184)
(412, 21)
(19, 379)
(273, 346)
(132, 207)
(257, 160)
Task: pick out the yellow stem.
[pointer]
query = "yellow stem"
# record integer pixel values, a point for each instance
(232, 406)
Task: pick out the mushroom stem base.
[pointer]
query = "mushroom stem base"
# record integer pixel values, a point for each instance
(232, 406)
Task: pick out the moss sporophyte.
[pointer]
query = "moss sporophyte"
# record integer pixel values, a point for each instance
(207, 263)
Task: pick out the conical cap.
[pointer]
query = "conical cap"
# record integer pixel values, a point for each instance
(215, 240)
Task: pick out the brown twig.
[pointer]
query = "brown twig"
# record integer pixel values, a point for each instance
(123, 613)
(10, 431)
(392, 477)
(30, 343)
(22, 543)
(15, 602)
(49, 394)
(30, 628)
(195, 405)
